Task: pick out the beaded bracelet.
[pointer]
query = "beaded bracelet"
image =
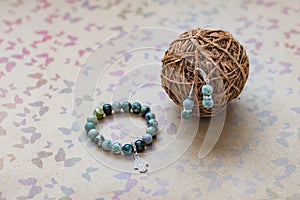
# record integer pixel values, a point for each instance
(116, 147)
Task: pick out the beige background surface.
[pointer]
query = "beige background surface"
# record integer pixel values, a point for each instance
(43, 151)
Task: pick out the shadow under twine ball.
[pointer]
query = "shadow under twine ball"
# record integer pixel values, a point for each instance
(218, 54)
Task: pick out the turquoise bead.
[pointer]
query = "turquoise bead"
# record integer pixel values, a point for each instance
(186, 115)
(99, 140)
(117, 106)
(147, 138)
(149, 116)
(88, 126)
(152, 122)
(207, 90)
(127, 149)
(116, 148)
(99, 113)
(207, 103)
(136, 107)
(151, 130)
(145, 110)
(93, 133)
(92, 118)
(106, 145)
(126, 106)
(188, 104)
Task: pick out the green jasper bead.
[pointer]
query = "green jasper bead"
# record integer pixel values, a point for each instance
(186, 115)
(151, 130)
(88, 126)
(92, 118)
(149, 116)
(152, 122)
(188, 104)
(117, 106)
(127, 149)
(126, 106)
(116, 148)
(207, 90)
(207, 103)
(147, 138)
(98, 140)
(136, 107)
(145, 110)
(99, 113)
(93, 133)
(106, 145)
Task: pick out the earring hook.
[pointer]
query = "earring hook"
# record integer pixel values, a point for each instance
(204, 78)
(203, 74)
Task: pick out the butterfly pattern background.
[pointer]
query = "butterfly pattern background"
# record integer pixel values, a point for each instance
(44, 43)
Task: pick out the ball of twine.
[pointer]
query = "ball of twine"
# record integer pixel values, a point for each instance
(218, 54)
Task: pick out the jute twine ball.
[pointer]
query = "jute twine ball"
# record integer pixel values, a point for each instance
(218, 54)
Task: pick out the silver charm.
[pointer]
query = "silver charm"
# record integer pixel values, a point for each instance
(139, 163)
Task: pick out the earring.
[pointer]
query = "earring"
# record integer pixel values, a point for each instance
(207, 101)
(188, 105)
(207, 90)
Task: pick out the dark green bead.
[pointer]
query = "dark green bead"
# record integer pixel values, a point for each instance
(88, 126)
(140, 145)
(126, 106)
(107, 109)
(149, 116)
(127, 149)
(145, 110)
(136, 107)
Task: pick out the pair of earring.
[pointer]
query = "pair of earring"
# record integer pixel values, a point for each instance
(207, 101)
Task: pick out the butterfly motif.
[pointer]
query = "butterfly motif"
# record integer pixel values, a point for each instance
(69, 87)
(52, 184)
(45, 37)
(68, 17)
(86, 175)
(3, 115)
(21, 123)
(60, 156)
(43, 109)
(91, 26)
(72, 41)
(47, 58)
(87, 4)
(63, 110)
(38, 160)
(17, 100)
(25, 52)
